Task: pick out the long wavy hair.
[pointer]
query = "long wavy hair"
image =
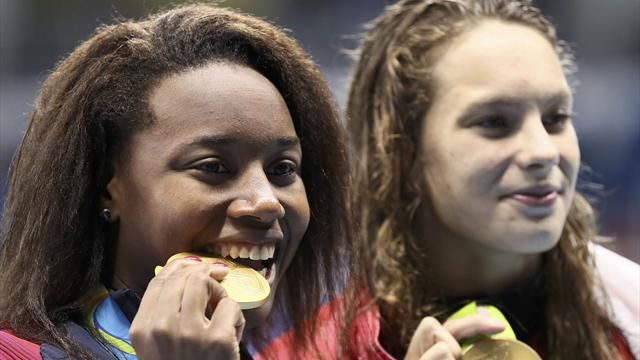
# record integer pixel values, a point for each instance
(54, 246)
(391, 92)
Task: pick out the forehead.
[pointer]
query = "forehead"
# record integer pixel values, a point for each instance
(496, 55)
(219, 97)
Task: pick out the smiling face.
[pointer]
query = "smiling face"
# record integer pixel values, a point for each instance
(218, 172)
(499, 153)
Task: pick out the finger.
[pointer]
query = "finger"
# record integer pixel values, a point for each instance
(429, 333)
(174, 283)
(202, 291)
(218, 271)
(176, 266)
(150, 299)
(439, 351)
(165, 290)
(227, 316)
(442, 336)
(473, 325)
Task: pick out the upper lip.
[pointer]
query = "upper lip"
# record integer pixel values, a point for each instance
(536, 190)
(253, 237)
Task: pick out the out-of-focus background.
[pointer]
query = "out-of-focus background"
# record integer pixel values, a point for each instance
(36, 34)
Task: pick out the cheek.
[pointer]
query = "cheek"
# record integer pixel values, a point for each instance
(461, 188)
(296, 222)
(297, 206)
(570, 160)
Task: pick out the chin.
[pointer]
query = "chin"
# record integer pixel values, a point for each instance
(539, 241)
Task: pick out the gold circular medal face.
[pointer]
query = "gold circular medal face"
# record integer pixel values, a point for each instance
(246, 286)
(500, 349)
(243, 284)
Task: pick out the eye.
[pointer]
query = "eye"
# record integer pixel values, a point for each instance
(556, 122)
(494, 126)
(212, 167)
(493, 122)
(283, 168)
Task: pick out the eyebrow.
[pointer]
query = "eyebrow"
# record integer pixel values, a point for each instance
(513, 102)
(212, 141)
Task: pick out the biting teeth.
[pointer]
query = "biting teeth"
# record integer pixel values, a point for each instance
(224, 251)
(257, 252)
(264, 253)
(254, 254)
(233, 252)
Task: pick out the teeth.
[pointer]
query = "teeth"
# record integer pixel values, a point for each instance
(254, 254)
(264, 253)
(224, 250)
(233, 252)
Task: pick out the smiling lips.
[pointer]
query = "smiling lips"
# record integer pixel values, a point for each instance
(539, 196)
(543, 199)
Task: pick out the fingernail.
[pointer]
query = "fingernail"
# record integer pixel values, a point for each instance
(220, 264)
(194, 258)
(497, 323)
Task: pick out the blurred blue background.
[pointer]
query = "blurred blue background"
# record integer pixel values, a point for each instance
(35, 34)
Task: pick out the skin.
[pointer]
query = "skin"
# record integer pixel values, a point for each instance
(221, 163)
(498, 130)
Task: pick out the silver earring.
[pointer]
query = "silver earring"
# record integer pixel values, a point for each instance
(106, 214)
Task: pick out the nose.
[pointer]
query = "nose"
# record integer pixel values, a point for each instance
(538, 151)
(256, 199)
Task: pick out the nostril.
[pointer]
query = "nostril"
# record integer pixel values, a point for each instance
(263, 210)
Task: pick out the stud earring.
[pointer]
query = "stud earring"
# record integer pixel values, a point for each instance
(106, 214)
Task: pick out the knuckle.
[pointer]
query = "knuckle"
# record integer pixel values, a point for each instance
(233, 305)
(440, 350)
(136, 334)
(162, 328)
(201, 278)
(430, 323)
(223, 338)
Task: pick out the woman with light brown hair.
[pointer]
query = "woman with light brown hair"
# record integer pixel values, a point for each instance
(197, 129)
(460, 114)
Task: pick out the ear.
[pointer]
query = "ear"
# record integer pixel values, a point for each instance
(112, 196)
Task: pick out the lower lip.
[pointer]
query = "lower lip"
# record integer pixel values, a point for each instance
(538, 201)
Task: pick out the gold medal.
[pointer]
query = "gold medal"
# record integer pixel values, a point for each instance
(500, 346)
(243, 284)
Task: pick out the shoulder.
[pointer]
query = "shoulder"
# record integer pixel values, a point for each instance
(620, 278)
(13, 347)
(363, 335)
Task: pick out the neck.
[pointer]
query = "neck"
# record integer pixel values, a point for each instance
(460, 267)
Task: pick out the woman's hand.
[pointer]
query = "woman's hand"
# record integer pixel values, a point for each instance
(185, 314)
(433, 340)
